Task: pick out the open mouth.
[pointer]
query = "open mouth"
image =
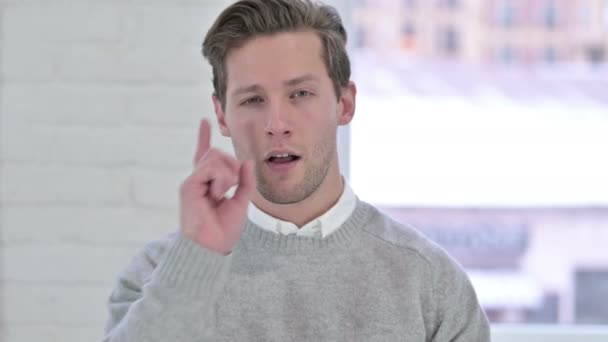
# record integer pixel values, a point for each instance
(284, 158)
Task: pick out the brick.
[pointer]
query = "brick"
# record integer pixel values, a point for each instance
(149, 64)
(164, 147)
(62, 22)
(78, 264)
(54, 184)
(165, 24)
(51, 332)
(173, 105)
(220, 3)
(65, 103)
(36, 37)
(100, 104)
(157, 188)
(55, 305)
(74, 144)
(29, 62)
(96, 226)
(102, 146)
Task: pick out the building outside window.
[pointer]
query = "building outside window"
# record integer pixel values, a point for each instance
(507, 55)
(408, 32)
(450, 4)
(502, 166)
(550, 15)
(448, 41)
(596, 55)
(506, 13)
(409, 3)
(549, 55)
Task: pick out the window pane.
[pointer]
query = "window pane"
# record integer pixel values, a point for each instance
(482, 126)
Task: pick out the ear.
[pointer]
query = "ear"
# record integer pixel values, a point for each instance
(221, 116)
(347, 104)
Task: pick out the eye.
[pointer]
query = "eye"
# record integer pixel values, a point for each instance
(252, 100)
(301, 93)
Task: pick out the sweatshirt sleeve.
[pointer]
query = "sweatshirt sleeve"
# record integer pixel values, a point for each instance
(460, 318)
(167, 295)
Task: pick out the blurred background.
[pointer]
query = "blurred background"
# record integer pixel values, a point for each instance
(488, 121)
(483, 123)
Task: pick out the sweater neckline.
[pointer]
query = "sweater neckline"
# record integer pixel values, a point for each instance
(255, 236)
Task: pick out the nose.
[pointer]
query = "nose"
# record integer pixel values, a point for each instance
(277, 125)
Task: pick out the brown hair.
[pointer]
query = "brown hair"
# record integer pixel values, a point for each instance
(246, 19)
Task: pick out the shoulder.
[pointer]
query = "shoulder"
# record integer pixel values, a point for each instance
(154, 250)
(145, 261)
(453, 297)
(410, 241)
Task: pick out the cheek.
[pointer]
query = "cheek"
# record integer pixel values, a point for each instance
(324, 113)
(243, 133)
(238, 123)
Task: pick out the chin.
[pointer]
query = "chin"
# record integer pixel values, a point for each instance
(282, 192)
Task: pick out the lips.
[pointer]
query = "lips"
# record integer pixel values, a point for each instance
(282, 161)
(282, 157)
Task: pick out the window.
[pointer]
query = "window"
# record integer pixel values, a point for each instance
(448, 41)
(408, 33)
(408, 29)
(450, 4)
(549, 55)
(502, 166)
(590, 286)
(507, 13)
(550, 15)
(596, 55)
(507, 55)
(409, 4)
(584, 15)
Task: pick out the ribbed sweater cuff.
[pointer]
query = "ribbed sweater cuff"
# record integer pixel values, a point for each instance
(192, 269)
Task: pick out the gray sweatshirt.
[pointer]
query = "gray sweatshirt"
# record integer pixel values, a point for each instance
(371, 280)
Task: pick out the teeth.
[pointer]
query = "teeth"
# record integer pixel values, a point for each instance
(284, 155)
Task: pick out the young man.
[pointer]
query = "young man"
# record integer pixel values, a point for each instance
(294, 254)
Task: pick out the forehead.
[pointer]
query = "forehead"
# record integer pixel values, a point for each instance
(271, 59)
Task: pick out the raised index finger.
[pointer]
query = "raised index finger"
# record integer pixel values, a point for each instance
(204, 140)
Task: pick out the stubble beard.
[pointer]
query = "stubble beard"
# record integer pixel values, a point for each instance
(317, 167)
(314, 175)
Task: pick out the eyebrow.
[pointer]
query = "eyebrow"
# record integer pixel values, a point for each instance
(292, 82)
(301, 79)
(248, 89)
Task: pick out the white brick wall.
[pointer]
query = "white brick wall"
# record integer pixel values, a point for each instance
(99, 105)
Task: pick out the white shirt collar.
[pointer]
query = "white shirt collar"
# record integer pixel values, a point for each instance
(322, 226)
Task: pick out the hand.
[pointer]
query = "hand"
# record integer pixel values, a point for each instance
(207, 216)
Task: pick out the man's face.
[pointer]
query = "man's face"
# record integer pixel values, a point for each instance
(281, 112)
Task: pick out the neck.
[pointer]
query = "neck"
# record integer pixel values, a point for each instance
(315, 205)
